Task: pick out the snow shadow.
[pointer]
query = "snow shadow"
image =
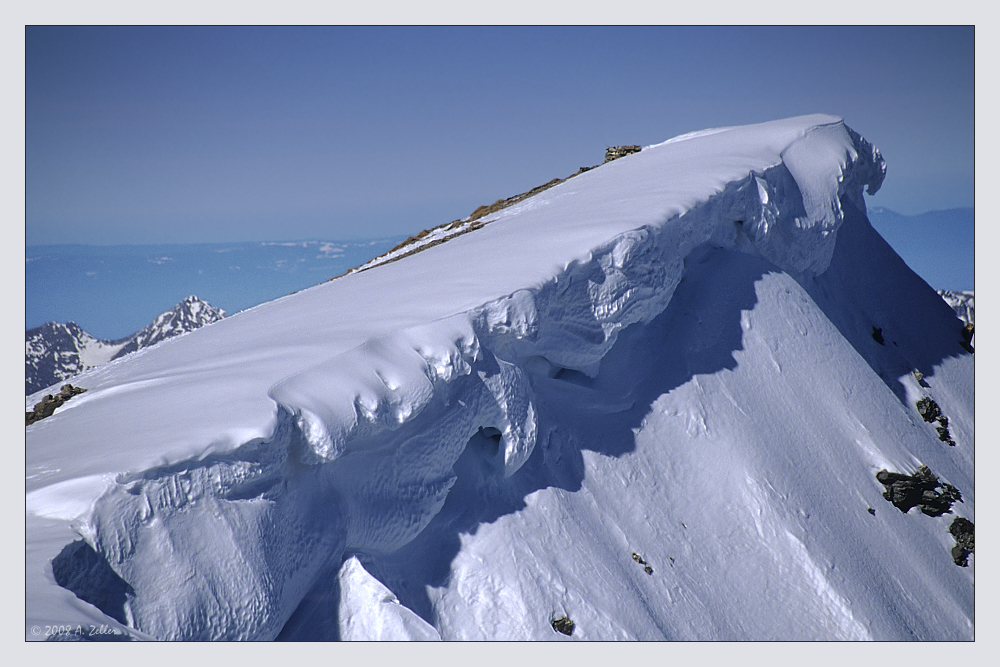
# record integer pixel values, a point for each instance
(317, 617)
(914, 329)
(84, 572)
(698, 333)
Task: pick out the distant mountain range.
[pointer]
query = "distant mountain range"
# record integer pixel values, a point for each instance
(113, 291)
(55, 352)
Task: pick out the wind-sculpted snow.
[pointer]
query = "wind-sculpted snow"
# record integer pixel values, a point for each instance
(218, 549)
(364, 442)
(800, 204)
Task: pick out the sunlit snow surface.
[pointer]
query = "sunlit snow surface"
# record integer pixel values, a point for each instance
(670, 355)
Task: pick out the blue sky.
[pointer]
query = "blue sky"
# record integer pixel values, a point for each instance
(185, 135)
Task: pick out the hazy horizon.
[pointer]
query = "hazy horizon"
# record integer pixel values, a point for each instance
(219, 134)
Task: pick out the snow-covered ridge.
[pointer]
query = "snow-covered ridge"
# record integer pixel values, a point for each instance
(570, 322)
(348, 424)
(429, 238)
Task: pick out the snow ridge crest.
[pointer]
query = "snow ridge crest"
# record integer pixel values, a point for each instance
(788, 213)
(370, 438)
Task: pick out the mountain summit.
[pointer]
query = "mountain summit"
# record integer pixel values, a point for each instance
(688, 394)
(190, 314)
(54, 352)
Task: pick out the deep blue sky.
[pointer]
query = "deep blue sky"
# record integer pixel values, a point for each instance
(175, 135)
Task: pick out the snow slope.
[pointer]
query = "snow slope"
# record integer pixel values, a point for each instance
(670, 355)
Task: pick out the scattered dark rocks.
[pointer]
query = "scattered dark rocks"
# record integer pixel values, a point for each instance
(934, 498)
(877, 335)
(642, 561)
(48, 405)
(563, 624)
(944, 435)
(964, 532)
(871, 510)
(918, 490)
(928, 409)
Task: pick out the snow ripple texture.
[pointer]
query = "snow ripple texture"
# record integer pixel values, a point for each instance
(363, 453)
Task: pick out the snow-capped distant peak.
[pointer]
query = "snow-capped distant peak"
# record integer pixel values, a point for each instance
(190, 314)
(55, 352)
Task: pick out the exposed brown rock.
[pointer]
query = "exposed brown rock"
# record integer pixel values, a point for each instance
(48, 405)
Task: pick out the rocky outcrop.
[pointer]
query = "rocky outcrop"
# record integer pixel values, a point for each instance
(47, 406)
(501, 204)
(922, 489)
(929, 410)
(615, 152)
(964, 533)
(446, 232)
(563, 624)
(647, 568)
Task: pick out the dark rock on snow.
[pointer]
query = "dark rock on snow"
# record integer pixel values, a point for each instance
(922, 489)
(47, 406)
(964, 532)
(928, 409)
(564, 625)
